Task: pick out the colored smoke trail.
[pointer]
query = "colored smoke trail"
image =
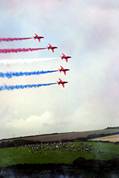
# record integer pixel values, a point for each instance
(25, 60)
(14, 39)
(18, 74)
(16, 87)
(17, 50)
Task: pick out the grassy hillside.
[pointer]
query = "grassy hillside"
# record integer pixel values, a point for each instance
(57, 137)
(58, 153)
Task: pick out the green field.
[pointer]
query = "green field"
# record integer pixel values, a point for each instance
(58, 153)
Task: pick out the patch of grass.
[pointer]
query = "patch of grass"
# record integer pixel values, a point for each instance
(63, 154)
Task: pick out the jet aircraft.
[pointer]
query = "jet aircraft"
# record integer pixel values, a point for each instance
(61, 82)
(62, 69)
(65, 57)
(52, 48)
(37, 37)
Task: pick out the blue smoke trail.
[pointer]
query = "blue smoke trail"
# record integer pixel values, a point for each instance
(13, 87)
(18, 74)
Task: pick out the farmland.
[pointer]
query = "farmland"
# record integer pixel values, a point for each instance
(59, 137)
(60, 148)
(111, 138)
(58, 153)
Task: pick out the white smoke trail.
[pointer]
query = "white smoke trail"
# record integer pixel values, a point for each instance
(25, 60)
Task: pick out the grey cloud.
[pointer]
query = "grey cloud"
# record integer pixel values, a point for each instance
(104, 4)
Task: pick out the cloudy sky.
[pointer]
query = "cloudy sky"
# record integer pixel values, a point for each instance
(89, 32)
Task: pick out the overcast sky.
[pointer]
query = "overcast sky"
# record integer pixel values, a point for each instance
(88, 30)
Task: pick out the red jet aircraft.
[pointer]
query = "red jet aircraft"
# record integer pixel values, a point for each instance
(36, 37)
(52, 47)
(63, 70)
(60, 82)
(65, 57)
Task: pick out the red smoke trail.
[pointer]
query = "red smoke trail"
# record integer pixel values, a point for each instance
(17, 50)
(14, 39)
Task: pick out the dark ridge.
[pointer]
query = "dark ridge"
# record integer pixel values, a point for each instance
(111, 128)
(101, 135)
